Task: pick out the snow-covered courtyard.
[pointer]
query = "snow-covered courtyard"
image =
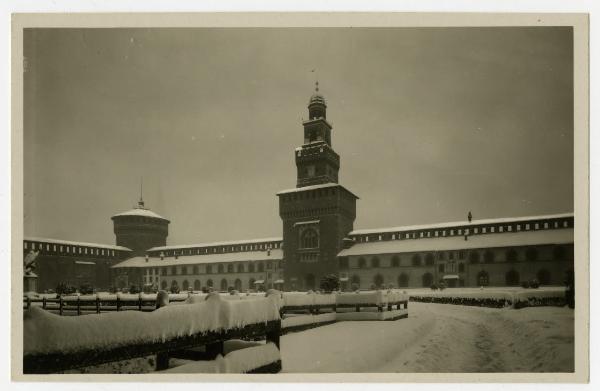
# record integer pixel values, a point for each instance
(439, 338)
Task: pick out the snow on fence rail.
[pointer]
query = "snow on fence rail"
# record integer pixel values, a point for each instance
(495, 298)
(301, 311)
(53, 343)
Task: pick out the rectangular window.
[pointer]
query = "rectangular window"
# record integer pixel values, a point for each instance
(407, 236)
(527, 227)
(492, 229)
(421, 234)
(556, 224)
(393, 236)
(476, 230)
(483, 230)
(460, 231)
(47, 247)
(54, 247)
(444, 233)
(501, 229)
(437, 233)
(537, 226)
(566, 224)
(509, 228)
(518, 227)
(451, 232)
(366, 238)
(380, 238)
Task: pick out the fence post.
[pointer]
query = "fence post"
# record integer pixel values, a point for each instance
(273, 334)
(28, 301)
(78, 306)
(60, 305)
(140, 301)
(162, 358)
(44, 302)
(97, 304)
(118, 303)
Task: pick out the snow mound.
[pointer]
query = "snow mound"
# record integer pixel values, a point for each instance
(238, 361)
(45, 332)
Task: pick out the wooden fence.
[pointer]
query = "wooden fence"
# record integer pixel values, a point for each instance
(79, 306)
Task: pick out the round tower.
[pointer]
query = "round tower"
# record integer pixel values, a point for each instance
(140, 229)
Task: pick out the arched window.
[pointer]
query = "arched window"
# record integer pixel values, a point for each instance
(378, 280)
(427, 279)
(223, 285)
(355, 280)
(261, 267)
(185, 285)
(310, 238)
(416, 260)
(543, 276)
(251, 267)
(511, 255)
(343, 263)
(488, 256)
(220, 268)
(174, 284)
(559, 253)
(474, 257)
(209, 283)
(163, 284)
(531, 254)
(361, 263)
(429, 259)
(240, 267)
(197, 285)
(483, 278)
(238, 284)
(310, 281)
(403, 280)
(230, 268)
(512, 278)
(374, 262)
(395, 261)
(251, 283)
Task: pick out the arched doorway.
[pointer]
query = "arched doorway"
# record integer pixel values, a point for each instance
(251, 283)
(197, 285)
(209, 283)
(512, 278)
(310, 281)
(427, 279)
(378, 280)
(483, 278)
(223, 285)
(238, 285)
(403, 280)
(185, 285)
(543, 276)
(163, 285)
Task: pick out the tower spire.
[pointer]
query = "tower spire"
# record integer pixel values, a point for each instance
(141, 201)
(317, 86)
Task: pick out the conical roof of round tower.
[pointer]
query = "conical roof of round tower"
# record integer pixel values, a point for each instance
(140, 210)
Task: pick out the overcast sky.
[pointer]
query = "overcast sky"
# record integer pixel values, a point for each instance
(429, 124)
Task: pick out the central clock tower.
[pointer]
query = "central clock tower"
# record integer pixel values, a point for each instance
(319, 213)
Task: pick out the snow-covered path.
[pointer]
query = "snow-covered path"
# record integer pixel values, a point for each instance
(439, 338)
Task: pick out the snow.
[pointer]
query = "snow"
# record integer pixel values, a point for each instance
(464, 223)
(228, 243)
(141, 212)
(439, 338)
(241, 256)
(370, 315)
(238, 361)
(46, 332)
(71, 243)
(300, 299)
(511, 294)
(522, 238)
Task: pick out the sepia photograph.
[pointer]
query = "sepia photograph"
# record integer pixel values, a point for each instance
(277, 200)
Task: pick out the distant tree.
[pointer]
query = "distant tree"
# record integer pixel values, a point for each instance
(434, 287)
(329, 283)
(525, 284)
(134, 289)
(64, 288)
(86, 288)
(174, 288)
(534, 284)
